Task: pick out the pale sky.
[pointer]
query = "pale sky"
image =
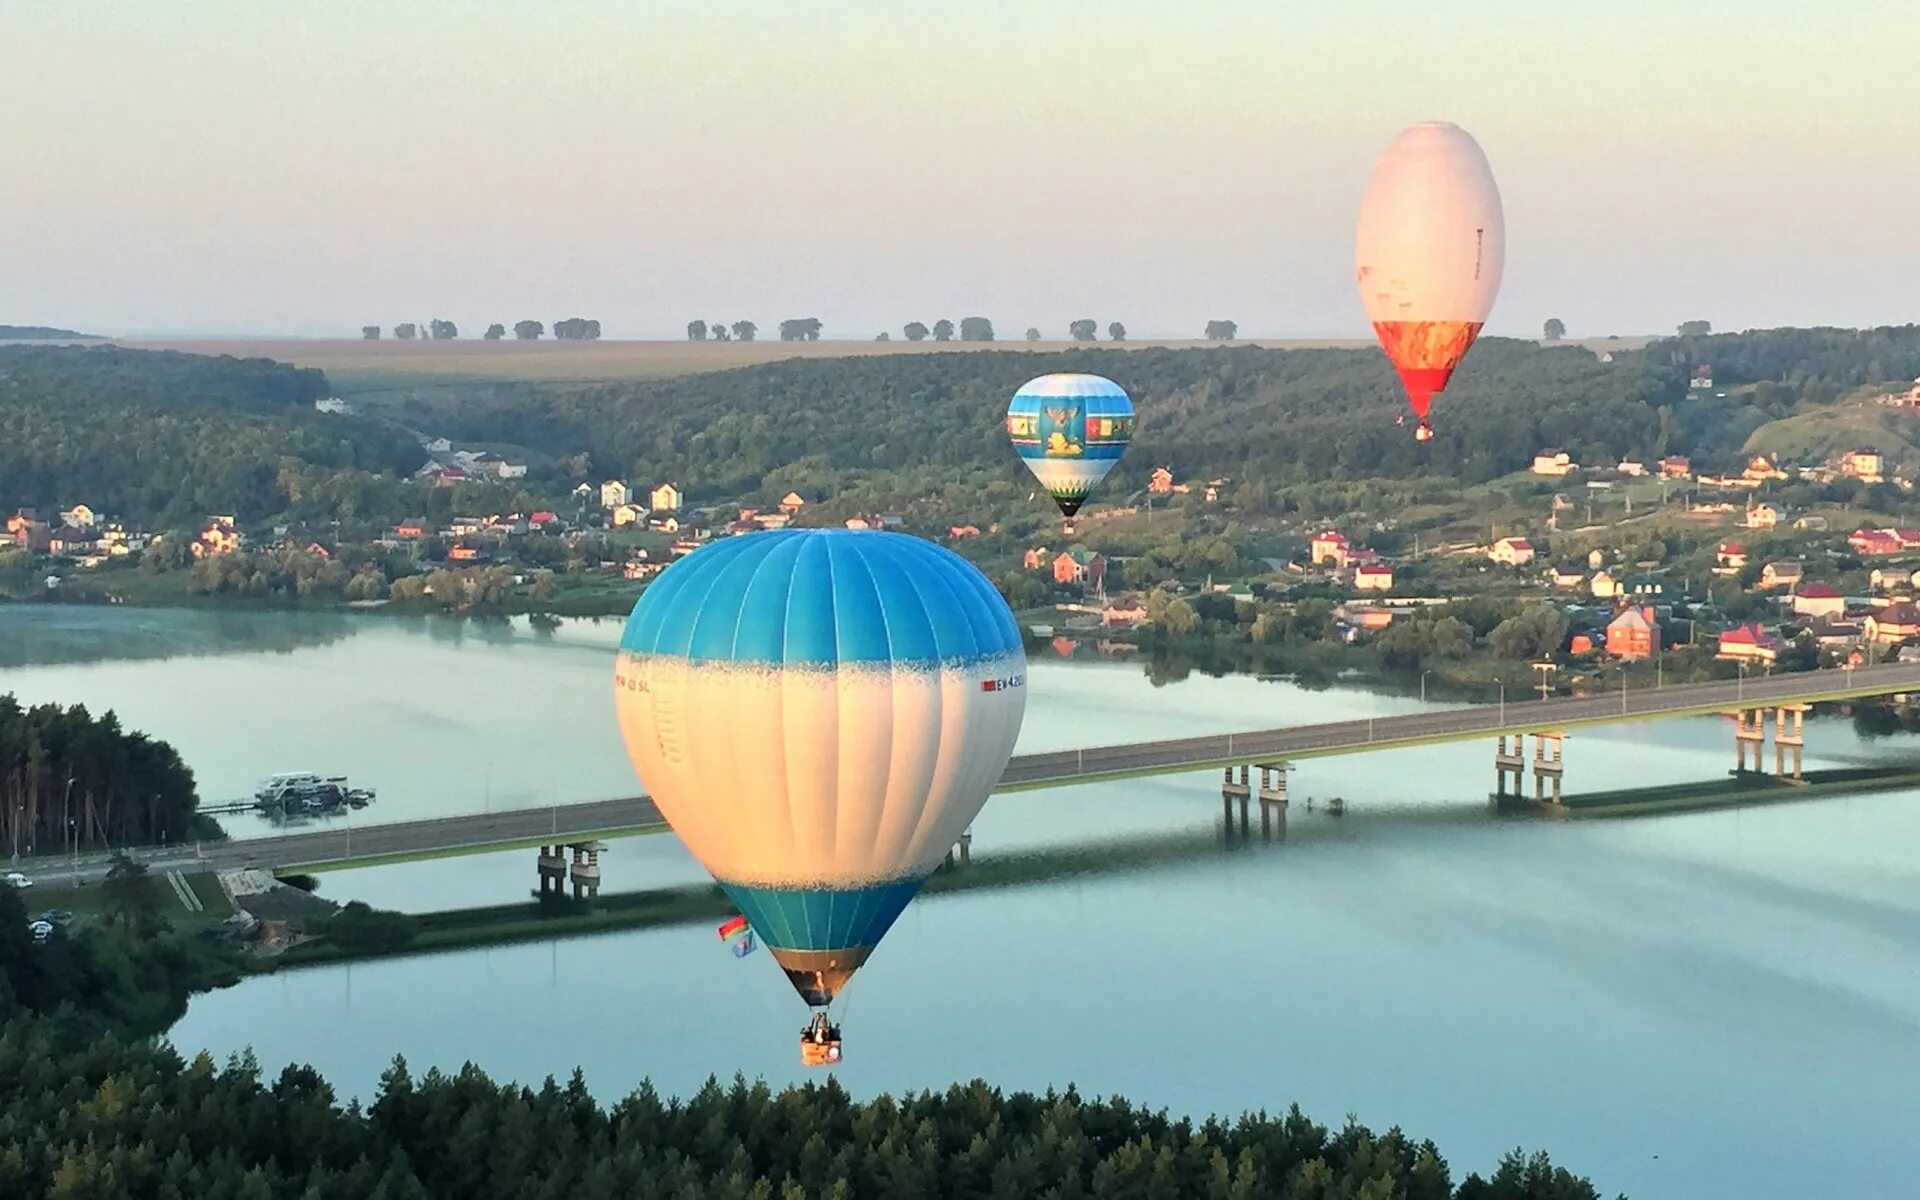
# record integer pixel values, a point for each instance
(240, 167)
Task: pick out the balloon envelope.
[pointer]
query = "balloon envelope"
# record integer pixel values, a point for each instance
(820, 714)
(1070, 430)
(1428, 253)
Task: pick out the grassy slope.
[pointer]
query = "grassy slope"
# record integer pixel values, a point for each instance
(1828, 431)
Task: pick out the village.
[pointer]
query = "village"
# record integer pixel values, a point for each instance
(1736, 571)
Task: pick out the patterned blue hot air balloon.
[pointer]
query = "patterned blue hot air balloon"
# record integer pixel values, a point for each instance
(820, 714)
(1070, 430)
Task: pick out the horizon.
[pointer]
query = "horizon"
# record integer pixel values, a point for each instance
(227, 172)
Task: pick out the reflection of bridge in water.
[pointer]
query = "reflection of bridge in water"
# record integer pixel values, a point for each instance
(1240, 754)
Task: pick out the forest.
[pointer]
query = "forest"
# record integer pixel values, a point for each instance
(93, 1108)
(1279, 416)
(161, 438)
(65, 774)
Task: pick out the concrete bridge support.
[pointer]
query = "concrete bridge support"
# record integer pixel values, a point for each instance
(1546, 766)
(1789, 735)
(1789, 739)
(1510, 758)
(1273, 798)
(1235, 785)
(962, 848)
(553, 871)
(1510, 763)
(1749, 736)
(585, 870)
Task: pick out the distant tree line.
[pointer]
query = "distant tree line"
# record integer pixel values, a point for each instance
(720, 331)
(576, 329)
(67, 778)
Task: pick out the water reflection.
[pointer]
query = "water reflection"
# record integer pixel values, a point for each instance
(37, 635)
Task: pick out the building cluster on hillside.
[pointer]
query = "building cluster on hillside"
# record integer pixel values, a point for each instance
(78, 534)
(446, 466)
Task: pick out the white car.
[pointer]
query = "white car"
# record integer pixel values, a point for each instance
(18, 880)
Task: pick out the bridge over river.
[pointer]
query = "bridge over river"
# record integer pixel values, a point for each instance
(401, 841)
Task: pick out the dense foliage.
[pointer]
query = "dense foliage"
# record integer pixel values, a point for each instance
(91, 1108)
(1275, 416)
(166, 438)
(162, 439)
(66, 775)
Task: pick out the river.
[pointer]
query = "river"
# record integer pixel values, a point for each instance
(1709, 1004)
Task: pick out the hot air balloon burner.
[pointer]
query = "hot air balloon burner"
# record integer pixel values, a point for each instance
(820, 1042)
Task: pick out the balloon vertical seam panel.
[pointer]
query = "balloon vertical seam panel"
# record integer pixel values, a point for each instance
(744, 793)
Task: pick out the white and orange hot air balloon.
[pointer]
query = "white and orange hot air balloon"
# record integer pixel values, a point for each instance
(1428, 254)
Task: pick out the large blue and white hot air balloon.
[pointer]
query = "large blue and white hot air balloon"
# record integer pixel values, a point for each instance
(820, 714)
(1070, 430)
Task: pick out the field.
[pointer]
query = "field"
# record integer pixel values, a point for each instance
(357, 366)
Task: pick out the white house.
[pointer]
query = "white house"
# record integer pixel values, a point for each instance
(613, 493)
(79, 516)
(1762, 516)
(331, 404)
(1553, 463)
(437, 445)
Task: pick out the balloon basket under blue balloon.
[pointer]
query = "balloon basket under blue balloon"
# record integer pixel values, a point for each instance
(820, 1043)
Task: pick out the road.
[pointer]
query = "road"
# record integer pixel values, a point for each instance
(371, 844)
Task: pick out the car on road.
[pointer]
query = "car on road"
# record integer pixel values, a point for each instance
(16, 879)
(41, 930)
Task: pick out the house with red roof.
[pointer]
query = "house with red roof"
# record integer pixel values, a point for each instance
(1331, 547)
(1748, 643)
(1894, 623)
(1870, 542)
(1375, 577)
(1512, 552)
(1729, 558)
(1819, 600)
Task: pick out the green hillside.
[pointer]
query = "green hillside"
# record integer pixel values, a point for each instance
(1825, 431)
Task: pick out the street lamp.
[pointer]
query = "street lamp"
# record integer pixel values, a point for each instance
(1423, 685)
(1502, 685)
(1740, 689)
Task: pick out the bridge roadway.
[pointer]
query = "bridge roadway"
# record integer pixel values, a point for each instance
(370, 845)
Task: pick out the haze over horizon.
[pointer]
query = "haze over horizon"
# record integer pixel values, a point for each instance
(230, 169)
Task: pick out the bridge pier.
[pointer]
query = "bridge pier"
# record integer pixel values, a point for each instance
(1546, 765)
(1789, 739)
(1273, 799)
(585, 870)
(1235, 784)
(1510, 762)
(553, 871)
(1788, 717)
(1749, 732)
(963, 847)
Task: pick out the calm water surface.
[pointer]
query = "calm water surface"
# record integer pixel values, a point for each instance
(1736, 993)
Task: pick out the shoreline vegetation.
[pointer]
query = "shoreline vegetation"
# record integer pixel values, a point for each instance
(103, 1107)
